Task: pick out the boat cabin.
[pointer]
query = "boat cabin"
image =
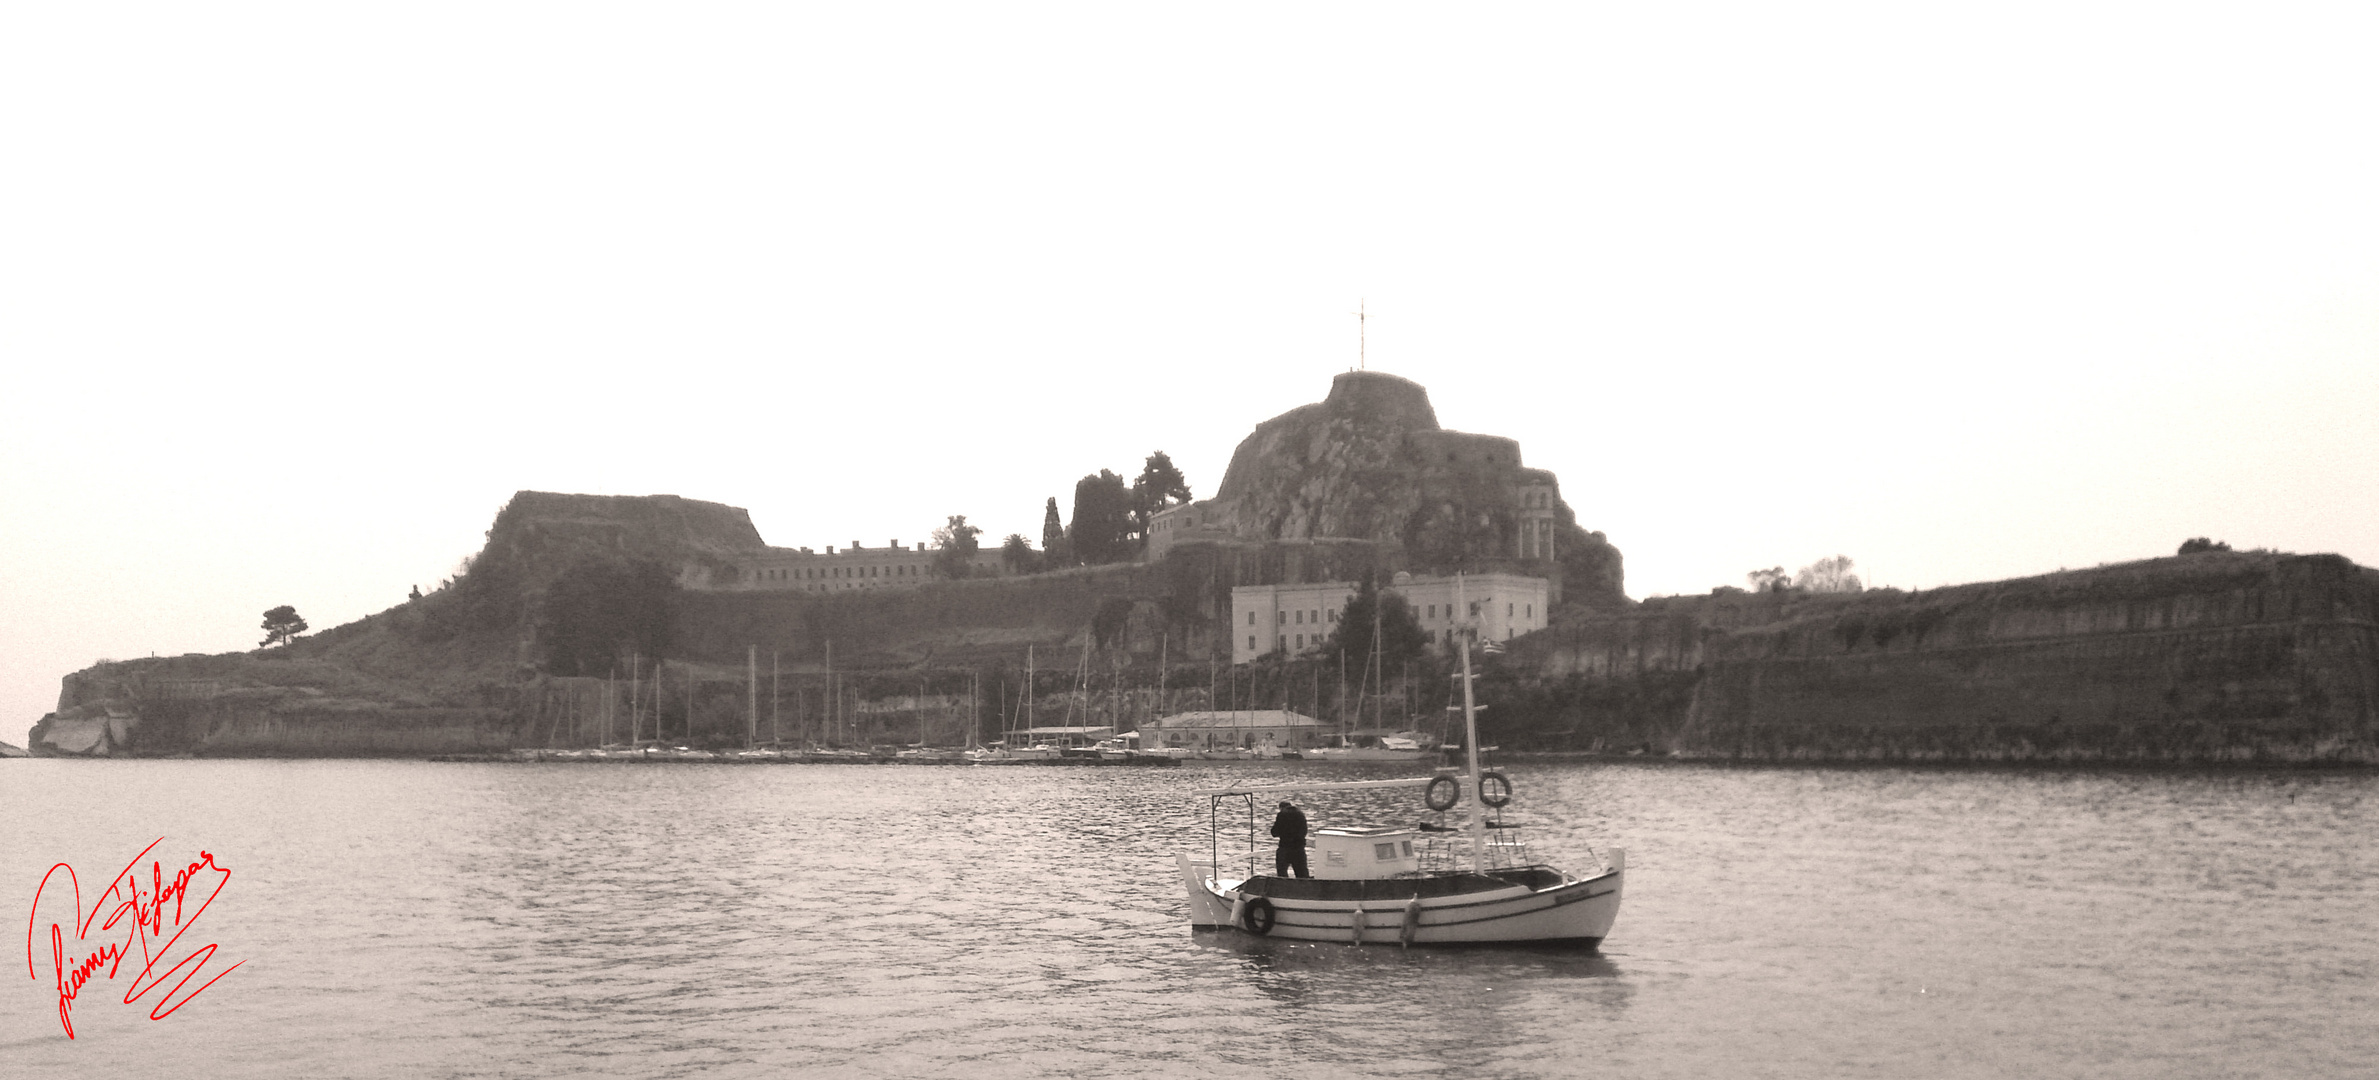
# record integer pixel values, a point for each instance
(1361, 852)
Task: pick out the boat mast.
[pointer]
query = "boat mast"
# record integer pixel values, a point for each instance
(1470, 738)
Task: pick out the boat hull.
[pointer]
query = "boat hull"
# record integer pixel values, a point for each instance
(1572, 911)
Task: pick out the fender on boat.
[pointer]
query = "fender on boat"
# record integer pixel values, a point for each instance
(1257, 916)
(1412, 921)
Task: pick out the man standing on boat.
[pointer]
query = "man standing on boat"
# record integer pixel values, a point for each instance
(1289, 825)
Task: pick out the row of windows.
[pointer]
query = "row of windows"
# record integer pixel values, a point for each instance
(1508, 610)
(1303, 616)
(810, 572)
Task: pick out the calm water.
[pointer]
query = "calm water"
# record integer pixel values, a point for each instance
(415, 919)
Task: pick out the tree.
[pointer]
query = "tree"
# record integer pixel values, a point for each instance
(1159, 485)
(1054, 550)
(1828, 575)
(955, 547)
(1773, 579)
(1017, 555)
(282, 626)
(1102, 525)
(1401, 638)
(2196, 544)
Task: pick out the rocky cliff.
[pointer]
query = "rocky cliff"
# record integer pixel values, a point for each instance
(1369, 462)
(2213, 657)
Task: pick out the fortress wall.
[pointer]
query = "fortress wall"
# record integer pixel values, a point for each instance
(2241, 658)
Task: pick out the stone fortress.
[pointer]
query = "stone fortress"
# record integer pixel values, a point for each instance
(1369, 462)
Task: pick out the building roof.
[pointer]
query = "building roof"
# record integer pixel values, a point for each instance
(1240, 718)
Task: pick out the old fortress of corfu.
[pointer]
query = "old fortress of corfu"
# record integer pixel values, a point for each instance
(1368, 463)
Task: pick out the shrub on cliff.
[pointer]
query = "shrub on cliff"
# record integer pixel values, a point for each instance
(600, 610)
(2196, 544)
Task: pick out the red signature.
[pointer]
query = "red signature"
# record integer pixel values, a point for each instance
(161, 910)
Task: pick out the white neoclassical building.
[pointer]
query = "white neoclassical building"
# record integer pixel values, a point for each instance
(1298, 619)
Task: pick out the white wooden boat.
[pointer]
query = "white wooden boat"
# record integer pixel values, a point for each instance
(1409, 884)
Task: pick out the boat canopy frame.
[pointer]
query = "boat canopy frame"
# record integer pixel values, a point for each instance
(1248, 793)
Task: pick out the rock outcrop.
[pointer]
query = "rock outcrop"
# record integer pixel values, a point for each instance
(1370, 463)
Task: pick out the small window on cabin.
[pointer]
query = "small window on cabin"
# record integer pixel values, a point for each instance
(1334, 858)
(1384, 852)
(1408, 849)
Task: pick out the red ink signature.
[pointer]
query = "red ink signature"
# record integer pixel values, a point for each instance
(150, 923)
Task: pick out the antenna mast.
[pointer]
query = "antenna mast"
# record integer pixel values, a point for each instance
(1362, 346)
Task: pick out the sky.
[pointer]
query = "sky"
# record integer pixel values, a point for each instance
(293, 298)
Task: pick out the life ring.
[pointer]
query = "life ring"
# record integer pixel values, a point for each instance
(1442, 799)
(1495, 789)
(1258, 917)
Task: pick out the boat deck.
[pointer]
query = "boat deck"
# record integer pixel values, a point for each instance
(1535, 878)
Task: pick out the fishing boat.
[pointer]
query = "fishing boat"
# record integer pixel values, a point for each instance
(1406, 884)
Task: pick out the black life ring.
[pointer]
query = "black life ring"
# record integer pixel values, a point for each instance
(1451, 793)
(1257, 917)
(1495, 789)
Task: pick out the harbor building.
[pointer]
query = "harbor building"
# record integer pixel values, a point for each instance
(1295, 620)
(1241, 729)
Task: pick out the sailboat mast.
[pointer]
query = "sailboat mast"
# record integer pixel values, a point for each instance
(1470, 742)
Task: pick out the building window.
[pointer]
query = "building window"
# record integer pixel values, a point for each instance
(1433, 611)
(1300, 641)
(1284, 619)
(1300, 617)
(1474, 609)
(1251, 638)
(1507, 611)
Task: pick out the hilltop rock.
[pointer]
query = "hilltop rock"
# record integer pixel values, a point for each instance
(1370, 463)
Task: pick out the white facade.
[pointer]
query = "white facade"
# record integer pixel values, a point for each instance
(1244, 729)
(1298, 619)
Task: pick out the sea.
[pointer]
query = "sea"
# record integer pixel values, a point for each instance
(420, 919)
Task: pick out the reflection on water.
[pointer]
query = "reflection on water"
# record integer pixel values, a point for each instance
(412, 919)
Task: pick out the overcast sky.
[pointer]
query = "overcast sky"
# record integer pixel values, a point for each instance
(292, 299)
